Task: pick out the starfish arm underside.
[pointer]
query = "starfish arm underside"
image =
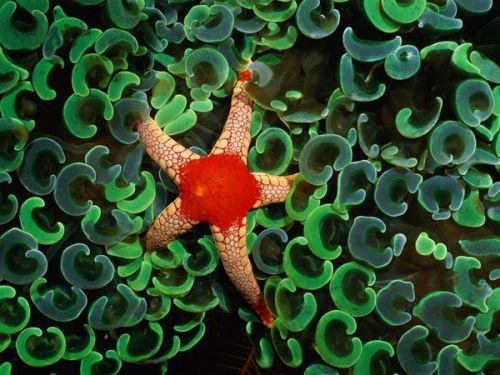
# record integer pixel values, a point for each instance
(273, 189)
(232, 247)
(164, 150)
(235, 137)
(167, 227)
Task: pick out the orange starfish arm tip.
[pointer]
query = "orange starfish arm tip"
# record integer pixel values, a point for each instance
(245, 75)
(265, 315)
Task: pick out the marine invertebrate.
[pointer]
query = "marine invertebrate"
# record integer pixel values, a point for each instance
(382, 259)
(218, 189)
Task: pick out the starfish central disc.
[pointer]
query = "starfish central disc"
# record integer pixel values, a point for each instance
(218, 189)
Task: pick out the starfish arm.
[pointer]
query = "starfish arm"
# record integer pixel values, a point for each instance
(235, 137)
(273, 189)
(232, 247)
(167, 227)
(164, 150)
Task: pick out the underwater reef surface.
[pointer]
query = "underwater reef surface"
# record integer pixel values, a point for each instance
(385, 256)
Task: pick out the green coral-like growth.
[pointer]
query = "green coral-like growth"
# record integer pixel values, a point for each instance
(384, 257)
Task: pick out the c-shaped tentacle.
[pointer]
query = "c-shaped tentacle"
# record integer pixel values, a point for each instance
(165, 151)
(232, 247)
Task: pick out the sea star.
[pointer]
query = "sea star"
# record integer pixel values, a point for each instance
(217, 189)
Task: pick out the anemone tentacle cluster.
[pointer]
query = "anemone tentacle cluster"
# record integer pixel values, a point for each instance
(384, 257)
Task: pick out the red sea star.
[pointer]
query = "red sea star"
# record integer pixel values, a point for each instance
(218, 189)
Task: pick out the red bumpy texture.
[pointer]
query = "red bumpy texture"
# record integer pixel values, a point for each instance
(218, 189)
